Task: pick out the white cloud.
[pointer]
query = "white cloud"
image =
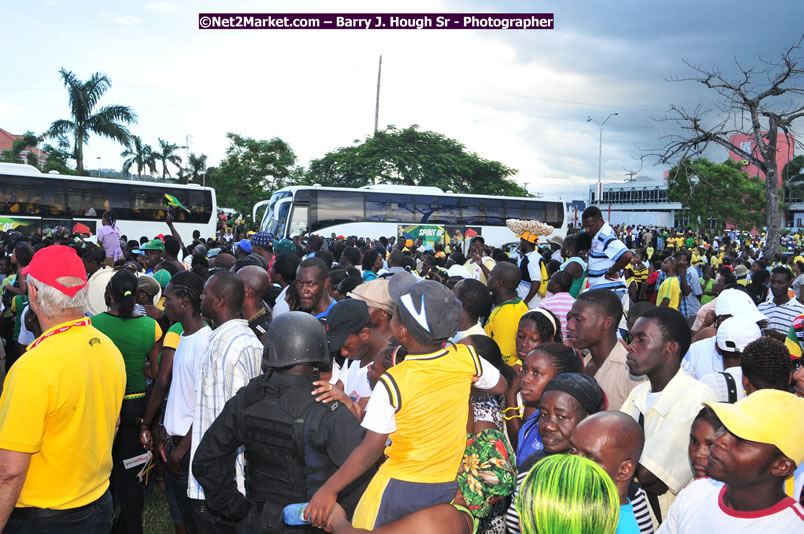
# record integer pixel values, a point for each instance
(127, 20)
(160, 6)
(6, 107)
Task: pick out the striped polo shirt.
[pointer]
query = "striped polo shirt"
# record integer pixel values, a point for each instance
(606, 250)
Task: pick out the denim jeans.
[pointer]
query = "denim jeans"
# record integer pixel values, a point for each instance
(96, 518)
(176, 488)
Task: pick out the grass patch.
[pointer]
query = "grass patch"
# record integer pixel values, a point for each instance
(156, 516)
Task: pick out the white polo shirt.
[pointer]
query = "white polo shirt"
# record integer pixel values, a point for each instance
(700, 507)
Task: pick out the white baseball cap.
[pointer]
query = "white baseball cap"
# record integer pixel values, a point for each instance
(735, 333)
(737, 303)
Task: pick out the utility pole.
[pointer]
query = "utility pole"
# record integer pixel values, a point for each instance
(599, 198)
(377, 108)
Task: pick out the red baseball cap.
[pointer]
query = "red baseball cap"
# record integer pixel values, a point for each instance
(55, 262)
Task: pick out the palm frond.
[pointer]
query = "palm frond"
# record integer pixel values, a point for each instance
(115, 113)
(111, 130)
(94, 88)
(60, 127)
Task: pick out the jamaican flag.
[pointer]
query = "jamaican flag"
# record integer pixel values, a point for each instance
(173, 202)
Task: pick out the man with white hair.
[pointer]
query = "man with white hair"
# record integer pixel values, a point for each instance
(703, 357)
(59, 409)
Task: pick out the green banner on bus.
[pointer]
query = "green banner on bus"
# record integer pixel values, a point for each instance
(9, 223)
(430, 234)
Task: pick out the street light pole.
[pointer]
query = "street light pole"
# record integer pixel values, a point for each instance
(599, 197)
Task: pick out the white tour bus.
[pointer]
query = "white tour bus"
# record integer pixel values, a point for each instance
(34, 202)
(383, 210)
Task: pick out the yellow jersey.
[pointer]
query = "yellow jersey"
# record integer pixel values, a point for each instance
(502, 326)
(430, 393)
(60, 403)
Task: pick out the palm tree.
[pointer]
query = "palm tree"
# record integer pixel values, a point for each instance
(140, 155)
(107, 121)
(196, 166)
(167, 154)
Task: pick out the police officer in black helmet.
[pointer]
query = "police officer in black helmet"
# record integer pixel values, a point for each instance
(292, 443)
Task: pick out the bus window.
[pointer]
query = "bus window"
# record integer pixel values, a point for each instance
(376, 207)
(534, 210)
(336, 207)
(425, 206)
(472, 211)
(402, 209)
(298, 222)
(119, 198)
(84, 199)
(513, 209)
(24, 199)
(148, 204)
(495, 213)
(52, 200)
(447, 211)
(554, 215)
(200, 205)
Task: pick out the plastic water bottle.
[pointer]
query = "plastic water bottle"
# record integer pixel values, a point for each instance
(293, 514)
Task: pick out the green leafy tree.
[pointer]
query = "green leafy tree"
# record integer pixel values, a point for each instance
(140, 155)
(717, 191)
(196, 168)
(413, 157)
(108, 121)
(27, 142)
(793, 177)
(58, 156)
(168, 153)
(251, 170)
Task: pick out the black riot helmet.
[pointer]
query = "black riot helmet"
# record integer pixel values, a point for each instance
(295, 338)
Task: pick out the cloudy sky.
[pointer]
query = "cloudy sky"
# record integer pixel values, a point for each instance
(520, 97)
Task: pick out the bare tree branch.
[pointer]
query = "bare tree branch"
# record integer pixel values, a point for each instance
(749, 103)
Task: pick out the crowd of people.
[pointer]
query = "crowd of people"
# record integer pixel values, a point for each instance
(627, 380)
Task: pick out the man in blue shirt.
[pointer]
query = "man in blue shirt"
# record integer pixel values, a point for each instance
(312, 286)
(615, 443)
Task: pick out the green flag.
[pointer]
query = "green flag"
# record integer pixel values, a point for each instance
(173, 202)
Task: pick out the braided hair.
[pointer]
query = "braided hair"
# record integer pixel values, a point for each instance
(766, 364)
(563, 358)
(188, 285)
(110, 216)
(393, 355)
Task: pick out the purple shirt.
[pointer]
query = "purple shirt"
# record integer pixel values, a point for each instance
(109, 238)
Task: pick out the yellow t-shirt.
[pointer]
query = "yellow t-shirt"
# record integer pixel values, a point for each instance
(670, 288)
(430, 393)
(502, 326)
(60, 403)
